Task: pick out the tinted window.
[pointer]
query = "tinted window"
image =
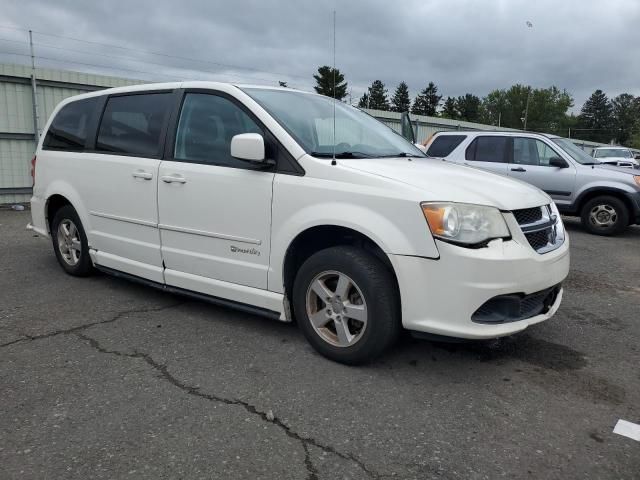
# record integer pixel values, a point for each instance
(68, 131)
(487, 149)
(444, 145)
(207, 125)
(133, 124)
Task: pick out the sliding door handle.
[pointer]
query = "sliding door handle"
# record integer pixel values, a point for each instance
(142, 174)
(519, 169)
(173, 179)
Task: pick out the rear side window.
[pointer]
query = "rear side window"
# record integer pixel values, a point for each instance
(487, 149)
(68, 130)
(133, 124)
(444, 145)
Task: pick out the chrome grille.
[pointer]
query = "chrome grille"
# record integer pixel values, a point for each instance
(541, 226)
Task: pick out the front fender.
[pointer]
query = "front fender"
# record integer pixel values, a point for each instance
(396, 225)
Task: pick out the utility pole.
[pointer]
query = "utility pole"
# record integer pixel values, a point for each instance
(34, 95)
(526, 108)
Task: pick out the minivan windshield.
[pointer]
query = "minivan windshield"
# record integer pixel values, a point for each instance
(575, 152)
(612, 152)
(309, 120)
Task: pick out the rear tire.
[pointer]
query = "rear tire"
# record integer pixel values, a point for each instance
(70, 242)
(605, 215)
(347, 305)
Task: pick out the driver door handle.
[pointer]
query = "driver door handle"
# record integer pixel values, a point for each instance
(519, 169)
(173, 179)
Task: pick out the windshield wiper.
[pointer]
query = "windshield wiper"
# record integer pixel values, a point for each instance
(341, 155)
(402, 155)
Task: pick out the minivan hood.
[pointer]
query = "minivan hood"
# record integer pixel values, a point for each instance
(445, 181)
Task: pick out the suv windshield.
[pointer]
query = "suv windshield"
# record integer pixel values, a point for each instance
(575, 152)
(309, 119)
(612, 152)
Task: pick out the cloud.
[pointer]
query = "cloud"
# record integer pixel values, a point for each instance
(461, 45)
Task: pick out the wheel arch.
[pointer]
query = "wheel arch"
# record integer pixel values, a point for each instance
(594, 192)
(59, 194)
(320, 237)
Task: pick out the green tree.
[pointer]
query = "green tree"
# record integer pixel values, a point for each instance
(595, 121)
(364, 101)
(494, 105)
(547, 110)
(468, 107)
(325, 83)
(626, 116)
(427, 101)
(400, 102)
(449, 109)
(378, 96)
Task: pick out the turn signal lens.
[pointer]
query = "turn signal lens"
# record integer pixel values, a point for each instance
(637, 179)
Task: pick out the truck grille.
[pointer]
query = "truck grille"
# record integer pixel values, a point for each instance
(541, 227)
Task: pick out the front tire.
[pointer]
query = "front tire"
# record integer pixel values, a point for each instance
(605, 215)
(346, 303)
(70, 242)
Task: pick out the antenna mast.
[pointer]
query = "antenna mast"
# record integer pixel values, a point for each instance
(333, 161)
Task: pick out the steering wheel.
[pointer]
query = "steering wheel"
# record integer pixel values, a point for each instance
(343, 147)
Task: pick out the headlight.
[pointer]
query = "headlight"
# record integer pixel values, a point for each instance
(464, 223)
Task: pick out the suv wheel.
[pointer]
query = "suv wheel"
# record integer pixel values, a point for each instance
(346, 303)
(70, 242)
(605, 216)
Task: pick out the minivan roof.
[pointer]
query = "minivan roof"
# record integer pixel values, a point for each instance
(172, 85)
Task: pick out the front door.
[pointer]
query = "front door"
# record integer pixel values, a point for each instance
(530, 163)
(215, 210)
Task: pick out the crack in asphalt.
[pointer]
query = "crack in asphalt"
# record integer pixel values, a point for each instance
(195, 391)
(115, 318)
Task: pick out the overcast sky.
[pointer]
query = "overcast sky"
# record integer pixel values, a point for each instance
(461, 45)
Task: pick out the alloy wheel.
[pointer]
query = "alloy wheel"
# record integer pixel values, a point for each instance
(336, 309)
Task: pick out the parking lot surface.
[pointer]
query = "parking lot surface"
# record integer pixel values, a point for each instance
(103, 378)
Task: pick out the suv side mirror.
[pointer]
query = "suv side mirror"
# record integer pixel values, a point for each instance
(558, 162)
(248, 146)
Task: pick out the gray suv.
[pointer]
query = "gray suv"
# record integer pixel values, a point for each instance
(605, 197)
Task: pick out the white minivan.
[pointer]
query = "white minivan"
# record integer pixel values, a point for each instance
(291, 205)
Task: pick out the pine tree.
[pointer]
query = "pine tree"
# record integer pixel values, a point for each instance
(325, 82)
(468, 107)
(378, 96)
(449, 109)
(427, 101)
(625, 115)
(595, 119)
(401, 101)
(364, 101)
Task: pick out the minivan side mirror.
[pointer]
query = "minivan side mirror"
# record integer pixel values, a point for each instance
(558, 162)
(248, 146)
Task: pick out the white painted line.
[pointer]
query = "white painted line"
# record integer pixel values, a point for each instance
(627, 429)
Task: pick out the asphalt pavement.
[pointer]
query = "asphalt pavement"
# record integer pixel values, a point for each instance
(103, 378)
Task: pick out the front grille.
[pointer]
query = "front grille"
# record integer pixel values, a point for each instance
(515, 307)
(541, 228)
(538, 240)
(528, 215)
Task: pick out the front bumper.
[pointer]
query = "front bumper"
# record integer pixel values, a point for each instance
(440, 296)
